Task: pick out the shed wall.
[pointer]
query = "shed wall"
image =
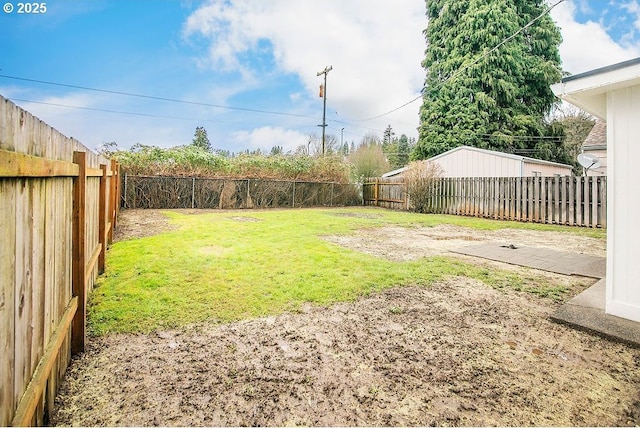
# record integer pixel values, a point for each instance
(470, 163)
(532, 169)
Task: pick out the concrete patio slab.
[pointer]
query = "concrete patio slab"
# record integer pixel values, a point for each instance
(586, 311)
(539, 258)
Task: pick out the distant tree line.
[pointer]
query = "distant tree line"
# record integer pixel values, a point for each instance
(342, 162)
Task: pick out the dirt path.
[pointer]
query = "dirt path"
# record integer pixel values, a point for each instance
(456, 353)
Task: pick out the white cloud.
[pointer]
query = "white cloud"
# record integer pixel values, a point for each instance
(374, 46)
(633, 8)
(267, 137)
(587, 46)
(375, 49)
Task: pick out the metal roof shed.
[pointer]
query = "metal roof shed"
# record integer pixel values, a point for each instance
(467, 161)
(613, 94)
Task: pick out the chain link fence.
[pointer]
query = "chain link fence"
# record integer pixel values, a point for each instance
(227, 193)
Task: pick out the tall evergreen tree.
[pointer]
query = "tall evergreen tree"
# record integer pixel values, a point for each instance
(481, 97)
(390, 146)
(387, 137)
(404, 150)
(200, 139)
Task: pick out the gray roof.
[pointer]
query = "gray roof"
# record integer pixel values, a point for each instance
(597, 138)
(502, 154)
(602, 70)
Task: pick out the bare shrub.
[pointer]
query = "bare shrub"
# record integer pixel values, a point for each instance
(228, 193)
(421, 177)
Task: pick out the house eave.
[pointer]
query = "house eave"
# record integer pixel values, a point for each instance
(589, 90)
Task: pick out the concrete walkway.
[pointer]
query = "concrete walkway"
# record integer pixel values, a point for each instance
(586, 311)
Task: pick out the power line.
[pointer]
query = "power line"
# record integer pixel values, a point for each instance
(122, 93)
(152, 97)
(166, 99)
(394, 110)
(104, 110)
(520, 137)
(465, 66)
(129, 113)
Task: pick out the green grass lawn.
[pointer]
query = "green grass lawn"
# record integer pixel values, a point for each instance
(213, 267)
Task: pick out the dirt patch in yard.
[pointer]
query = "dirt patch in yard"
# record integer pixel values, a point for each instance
(455, 353)
(404, 244)
(134, 224)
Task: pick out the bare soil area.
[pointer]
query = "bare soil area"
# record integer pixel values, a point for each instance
(455, 353)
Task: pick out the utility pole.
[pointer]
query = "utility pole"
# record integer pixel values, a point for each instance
(323, 94)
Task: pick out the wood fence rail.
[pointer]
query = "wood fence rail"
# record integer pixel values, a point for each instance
(573, 201)
(58, 209)
(386, 192)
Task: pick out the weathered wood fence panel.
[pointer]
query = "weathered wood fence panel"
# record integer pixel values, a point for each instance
(385, 192)
(58, 206)
(574, 201)
(232, 193)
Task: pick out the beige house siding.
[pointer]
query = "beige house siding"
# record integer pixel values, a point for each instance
(596, 144)
(602, 155)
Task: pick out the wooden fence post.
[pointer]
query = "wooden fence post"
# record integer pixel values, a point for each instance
(602, 202)
(114, 199)
(594, 201)
(78, 326)
(116, 213)
(102, 218)
(578, 195)
(375, 191)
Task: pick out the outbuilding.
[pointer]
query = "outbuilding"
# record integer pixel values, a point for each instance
(613, 94)
(467, 161)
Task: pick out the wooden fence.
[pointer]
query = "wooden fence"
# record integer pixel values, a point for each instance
(58, 208)
(386, 192)
(574, 201)
(232, 193)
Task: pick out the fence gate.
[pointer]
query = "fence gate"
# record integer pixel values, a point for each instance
(385, 192)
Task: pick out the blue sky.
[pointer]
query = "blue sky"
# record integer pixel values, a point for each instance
(257, 58)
